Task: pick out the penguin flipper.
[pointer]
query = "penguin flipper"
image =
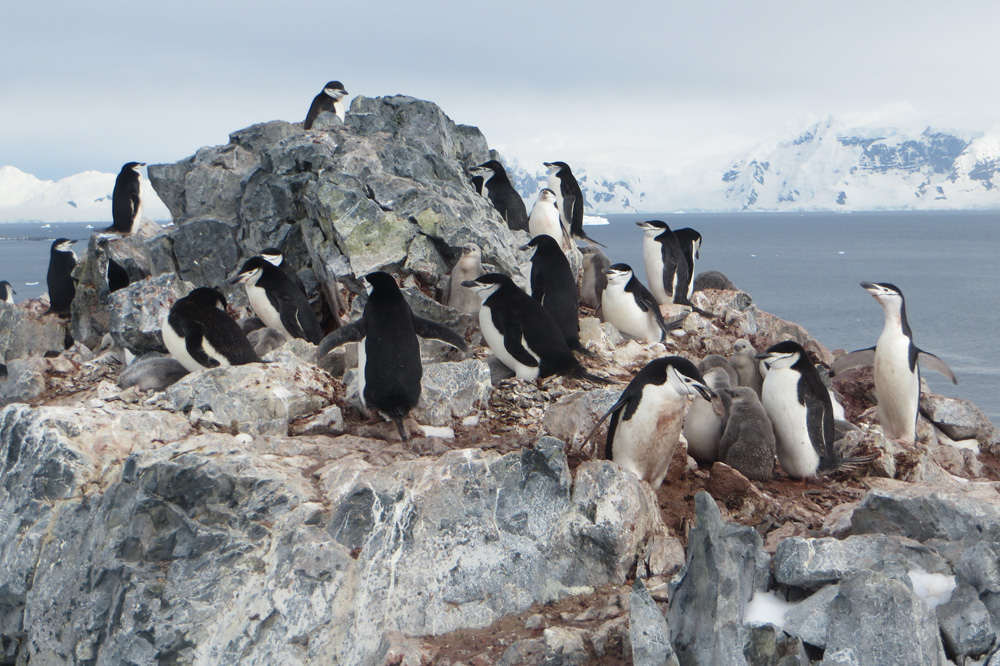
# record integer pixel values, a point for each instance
(134, 200)
(426, 328)
(353, 332)
(513, 340)
(854, 359)
(193, 341)
(932, 362)
(622, 399)
(819, 422)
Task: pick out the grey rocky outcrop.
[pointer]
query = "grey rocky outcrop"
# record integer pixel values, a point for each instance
(24, 330)
(648, 630)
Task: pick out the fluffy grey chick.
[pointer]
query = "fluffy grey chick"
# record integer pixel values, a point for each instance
(747, 366)
(747, 443)
(468, 267)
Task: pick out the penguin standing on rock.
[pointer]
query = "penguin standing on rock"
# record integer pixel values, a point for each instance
(389, 368)
(666, 267)
(594, 279)
(544, 218)
(521, 332)
(331, 99)
(6, 292)
(628, 306)
(646, 420)
(62, 286)
(569, 199)
(277, 301)
(276, 258)
(896, 359)
(502, 194)
(126, 199)
(199, 334)
(553, 285)
(801, 411)
(468, 267)
(690, 243)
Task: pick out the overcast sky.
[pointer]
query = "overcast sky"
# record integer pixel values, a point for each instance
(92, 85)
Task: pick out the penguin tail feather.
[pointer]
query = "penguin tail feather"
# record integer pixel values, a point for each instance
(402, 429)
(581, 373)
(855, 463)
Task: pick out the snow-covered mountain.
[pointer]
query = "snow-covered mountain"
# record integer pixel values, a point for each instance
(826, 167)
(83, 197)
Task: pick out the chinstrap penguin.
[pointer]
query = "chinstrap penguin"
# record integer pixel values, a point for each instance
(468, 267)
(594, 279)
(62, 286)
(545, 219)
(664, 260)
(690, 242)
(199, 334)
(628, 306)
(277, 301)
(389, 367)
(521, 332)
(502, 194)
(799, 407)
(747, 444)
(126, 199)
(569, 199)
(646, 420)
(896, 359)
(277, 258)
(6, 292)
(553, 284)
(331, 99)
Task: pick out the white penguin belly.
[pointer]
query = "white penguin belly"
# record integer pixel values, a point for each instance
(495, 341)
(896, 388)
(271, 317)
(362, 368)
(796, 453)
(645, 443)
(544, 219)
(620, 309)
(652, 258)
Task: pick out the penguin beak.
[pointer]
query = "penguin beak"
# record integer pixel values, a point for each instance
(765, 358)
(470, 284)
(239, 278)
(868, 285)
(705, 392)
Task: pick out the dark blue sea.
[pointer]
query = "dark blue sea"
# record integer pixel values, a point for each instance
(804, 268)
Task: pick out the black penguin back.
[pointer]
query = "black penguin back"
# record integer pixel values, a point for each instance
(125, 199)
(392, 352)
(554, 286)
(62, 286)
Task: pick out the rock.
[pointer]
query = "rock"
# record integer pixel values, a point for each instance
(24, 330)
(206, 253)
(959, 419)
(452, 390)
(663, 555)
(648, 631)
(965, 624)
(925, 511)
(809, 619)
(883, 622)
(25, 380)
(572, 417)
(980, 567)
(564, 646)
(812, 563)
(138, 311)
(726, 564)
(255, 398)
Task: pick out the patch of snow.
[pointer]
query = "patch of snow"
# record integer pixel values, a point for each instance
(438, 431)
(935, 589)
(768, 608)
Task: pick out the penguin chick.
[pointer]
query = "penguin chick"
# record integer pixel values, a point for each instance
(502, 194)
(521, 332)
(468, 267)
(747, 444)
(712, 280)
(152, 374)
(702, 426)
(630, 308)
(719, 361)
(747, 365)
(330, 98)
(553, 284)
(62, 286)
(389, 367)
(896, 358)
(646, 420)
(266, 340)
(199, 334)
(277, 301)
(799, 407)
(594, 280)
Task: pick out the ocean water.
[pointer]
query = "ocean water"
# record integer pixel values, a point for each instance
(805, 268)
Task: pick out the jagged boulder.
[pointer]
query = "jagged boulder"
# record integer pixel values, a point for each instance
(25, 330)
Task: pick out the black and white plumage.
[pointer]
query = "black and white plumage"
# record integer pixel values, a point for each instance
(897, 360)
(594, 280)
(747, 443)
(277, 258)
(126, 199)
(545, 219)
(521, 332)
(628, 306)
(569, 199)
(199, 334)
(6, 292)
(389, 367)
(666, 265)
(690, 243)
(799, 407)
(62, 286)
(468, 267)
(502, 194)
(331, 99)
(646, 420)
(553, 284)
(277, 301)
